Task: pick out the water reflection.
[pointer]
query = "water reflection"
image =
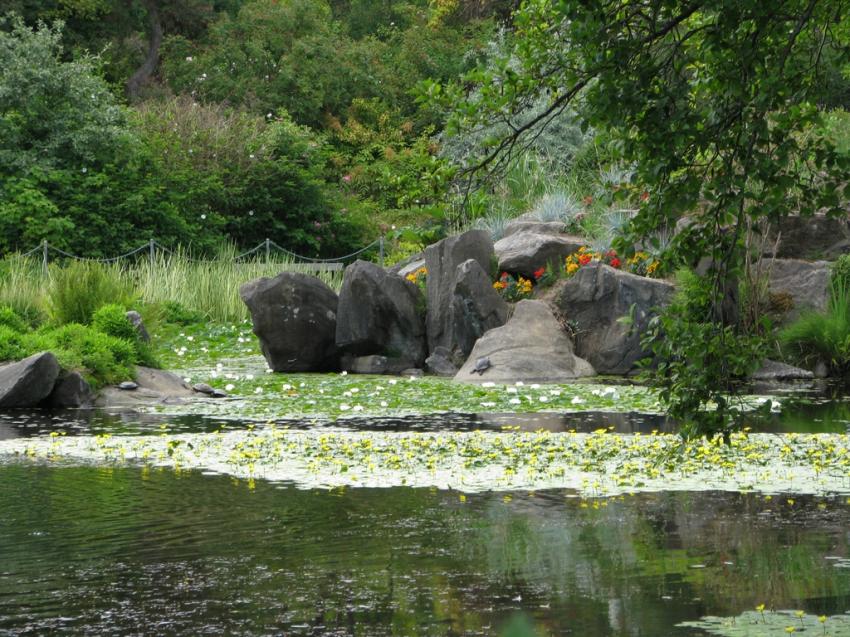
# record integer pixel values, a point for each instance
(800, 416)
(107, 551)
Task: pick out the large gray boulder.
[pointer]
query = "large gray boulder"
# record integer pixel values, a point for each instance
(795, 286)
(531, 347)
(526, 252)
(473, 308)
(380, 313)
(594, 299)
(71, 390)
(811, 237)
(452, 302)
(28, 382)
(294, 317)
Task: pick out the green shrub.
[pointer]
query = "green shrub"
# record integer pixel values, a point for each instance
(103, 359)
(77, 290)
(112, 319)
(9, 318)
(825, 336)
(12, 344)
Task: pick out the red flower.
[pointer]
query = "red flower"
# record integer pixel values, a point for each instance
(644, 196)
(504, 276)
(539, 273)
(615, 262)
(612, 253)
(584, 259)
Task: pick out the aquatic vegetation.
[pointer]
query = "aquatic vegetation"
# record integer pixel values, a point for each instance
(598, 464)
(761, 623)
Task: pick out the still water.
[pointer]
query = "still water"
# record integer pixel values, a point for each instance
(121, 551)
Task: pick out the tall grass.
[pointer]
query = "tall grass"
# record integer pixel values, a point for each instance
(71, 292)
(822, 336)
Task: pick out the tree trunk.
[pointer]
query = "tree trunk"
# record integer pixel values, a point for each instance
(145, 71)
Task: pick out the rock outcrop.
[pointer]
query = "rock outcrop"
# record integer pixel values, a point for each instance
(154, 386)
(594, 299)
(811, 237)
(462, 303)
(294, 317)
(526, 252)
(795, 286)
(71, 390)
(531, 347)
(380, 313)
(26, 383)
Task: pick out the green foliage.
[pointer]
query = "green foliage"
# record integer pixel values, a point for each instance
(12, 344)
(175, 312)
(112, 319)
(9, 318)
(102, 358)
(822, 336)
(697, 362)
(840, 275)
(80, 288)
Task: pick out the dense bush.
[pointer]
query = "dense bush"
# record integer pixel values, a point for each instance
(80, 288)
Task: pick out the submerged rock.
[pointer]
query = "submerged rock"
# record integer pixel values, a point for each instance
(27, 382)
(776, 371)
(294, 316)
(595, 299)
(531, 347)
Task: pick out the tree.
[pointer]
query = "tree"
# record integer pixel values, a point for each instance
(715, 104)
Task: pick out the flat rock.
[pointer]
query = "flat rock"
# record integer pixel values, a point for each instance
(595, 299)
(27, 382)
(154, 387)
(71, 391)
(554, 228)
(796, 285)
(526, 252)
(380, 313)
(294, 316)
(531, 347)
(440, 363)
(776, 371)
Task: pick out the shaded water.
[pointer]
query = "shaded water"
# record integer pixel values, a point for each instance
(118, 551)
(799, 415)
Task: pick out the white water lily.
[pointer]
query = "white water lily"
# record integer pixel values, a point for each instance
(544, 399)
(577, 400)
(515, 401)
(511, 390)
(258, 390)
(229, 387)
(488, 384)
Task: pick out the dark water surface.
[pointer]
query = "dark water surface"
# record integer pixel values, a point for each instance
(124, 551)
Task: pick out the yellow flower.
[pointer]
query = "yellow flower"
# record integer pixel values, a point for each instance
(571, 268)
(653, 267)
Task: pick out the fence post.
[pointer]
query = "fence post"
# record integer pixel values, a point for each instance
(381, 250)
(152, 248)
(44, 255)
(268, 250)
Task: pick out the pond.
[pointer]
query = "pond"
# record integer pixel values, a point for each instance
(125, 550)
(94, 545)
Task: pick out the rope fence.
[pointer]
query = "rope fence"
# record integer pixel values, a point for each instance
(268, 247)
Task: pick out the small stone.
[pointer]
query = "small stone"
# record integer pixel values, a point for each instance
(202, 388)
(218, 393)
(128, 385)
